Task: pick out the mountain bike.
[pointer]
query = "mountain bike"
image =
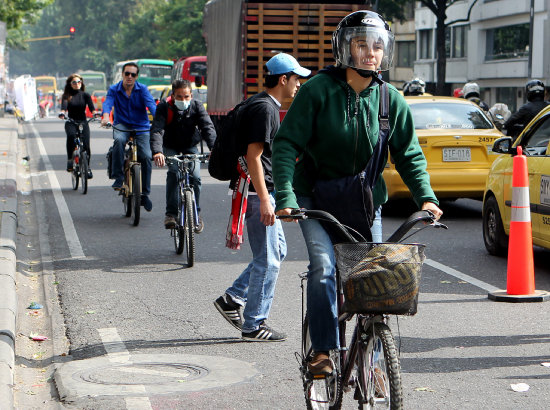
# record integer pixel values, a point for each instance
(187, 220)
(373, 281)
(81, 158)
(131, 188)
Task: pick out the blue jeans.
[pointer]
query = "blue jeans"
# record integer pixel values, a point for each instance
(144, 156)
(255, 286)
(172, 182)
(321, 280)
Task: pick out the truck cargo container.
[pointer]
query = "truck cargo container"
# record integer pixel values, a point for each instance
(241, 36)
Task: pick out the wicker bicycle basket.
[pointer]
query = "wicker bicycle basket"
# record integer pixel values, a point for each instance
(380, 277)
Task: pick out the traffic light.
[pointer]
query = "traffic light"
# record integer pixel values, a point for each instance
(71, 32)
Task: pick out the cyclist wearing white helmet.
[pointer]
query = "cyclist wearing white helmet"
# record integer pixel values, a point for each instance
(332, 127)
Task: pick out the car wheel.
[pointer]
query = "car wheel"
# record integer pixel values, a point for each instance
(494, 237)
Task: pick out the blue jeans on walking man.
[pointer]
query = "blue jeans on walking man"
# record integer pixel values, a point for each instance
(144, 156)
(172, 181)
(255, 287)
(321, 279)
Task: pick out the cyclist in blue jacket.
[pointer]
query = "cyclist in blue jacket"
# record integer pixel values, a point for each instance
(130, 100)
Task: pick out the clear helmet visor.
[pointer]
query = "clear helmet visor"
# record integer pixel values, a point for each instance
(364, 48)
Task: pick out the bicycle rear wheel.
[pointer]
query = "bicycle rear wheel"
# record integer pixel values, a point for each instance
(84, 172)
(136, 193)
(74, 173)
(189, 228)
(379, 370)
(325, 393)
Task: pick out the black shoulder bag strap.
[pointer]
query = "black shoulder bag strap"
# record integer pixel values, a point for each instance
(375, 166)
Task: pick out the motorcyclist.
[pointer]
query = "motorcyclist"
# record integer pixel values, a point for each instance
(534, 90)
(472, 93)
(414, 87)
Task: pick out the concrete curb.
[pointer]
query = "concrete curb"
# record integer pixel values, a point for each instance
(8, 237)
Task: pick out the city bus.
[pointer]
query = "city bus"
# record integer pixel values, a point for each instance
(151, 71)
(94, 80)
(45, 83)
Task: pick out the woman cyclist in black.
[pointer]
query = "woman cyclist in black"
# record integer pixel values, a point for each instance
(73, 104)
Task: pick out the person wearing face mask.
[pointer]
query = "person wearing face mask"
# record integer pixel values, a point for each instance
(179, 125)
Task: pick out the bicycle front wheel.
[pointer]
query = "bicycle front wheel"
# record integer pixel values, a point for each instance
(178, 232)
(74, 173)
(189, 228)
(379, 370)
(84, 172)
(136, 193)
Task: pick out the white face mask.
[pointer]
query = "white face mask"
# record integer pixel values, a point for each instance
(182, 105)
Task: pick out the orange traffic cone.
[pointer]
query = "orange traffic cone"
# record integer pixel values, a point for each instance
(521, 270)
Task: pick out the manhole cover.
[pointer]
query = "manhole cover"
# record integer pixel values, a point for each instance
(143, 374)
(149, 374)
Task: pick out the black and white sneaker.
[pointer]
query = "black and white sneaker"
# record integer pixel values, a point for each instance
(230, 310)
(264, 334)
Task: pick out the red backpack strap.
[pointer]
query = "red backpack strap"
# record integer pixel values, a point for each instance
(171, 105)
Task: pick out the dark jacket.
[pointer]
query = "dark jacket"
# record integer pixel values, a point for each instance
(519, 120)
(186, 129)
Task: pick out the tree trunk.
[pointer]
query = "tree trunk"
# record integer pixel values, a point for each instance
(440, 48)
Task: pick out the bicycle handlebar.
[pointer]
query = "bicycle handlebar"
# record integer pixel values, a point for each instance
(67, 119)
(188, 157)
(131, 131)
(397, 236)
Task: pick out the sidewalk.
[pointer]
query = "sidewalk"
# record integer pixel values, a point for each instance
(8, 232)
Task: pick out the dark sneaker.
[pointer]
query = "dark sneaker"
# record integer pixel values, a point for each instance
(264, 334)
(230, 310)
(117, 185)
(169, 222)
(199, 227)
(69, 165)
(320, 364)
(90, 174)
(146, 203)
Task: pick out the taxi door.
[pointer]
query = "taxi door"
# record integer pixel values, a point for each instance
(537, 148)
(543, 176)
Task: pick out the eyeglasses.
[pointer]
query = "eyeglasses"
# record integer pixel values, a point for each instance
(127, 73)
(75, 82)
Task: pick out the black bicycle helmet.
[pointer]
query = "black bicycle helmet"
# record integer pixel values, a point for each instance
(534, 90)
(369, 29)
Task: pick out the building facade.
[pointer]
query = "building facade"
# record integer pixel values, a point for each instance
(501, 47)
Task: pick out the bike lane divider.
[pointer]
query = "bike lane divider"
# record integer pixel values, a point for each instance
(73, 242)
(462, 276)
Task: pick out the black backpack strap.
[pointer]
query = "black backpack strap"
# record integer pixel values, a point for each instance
(375, 165)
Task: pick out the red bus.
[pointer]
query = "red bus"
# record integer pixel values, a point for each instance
(188, 68)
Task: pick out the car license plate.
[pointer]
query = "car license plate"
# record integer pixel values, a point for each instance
(457, 155)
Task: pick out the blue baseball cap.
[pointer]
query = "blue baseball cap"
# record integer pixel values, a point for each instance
(284, 63)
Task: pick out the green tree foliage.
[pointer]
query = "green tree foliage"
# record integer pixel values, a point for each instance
(108, 31)
(15, 12)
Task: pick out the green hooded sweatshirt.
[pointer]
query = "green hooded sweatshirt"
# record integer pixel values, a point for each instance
(330, 132)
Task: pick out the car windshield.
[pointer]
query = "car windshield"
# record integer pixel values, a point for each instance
(155, 71)
(155, 92)
(537, 140)
(200, 94)
(438, 115)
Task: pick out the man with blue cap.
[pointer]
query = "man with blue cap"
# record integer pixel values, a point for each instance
(247, 302)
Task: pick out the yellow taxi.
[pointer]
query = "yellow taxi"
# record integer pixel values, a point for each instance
(497, 199)
(200, 93)
(456, 137)
(156, 92)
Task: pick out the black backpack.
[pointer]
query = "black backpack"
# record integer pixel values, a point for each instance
(222, 164)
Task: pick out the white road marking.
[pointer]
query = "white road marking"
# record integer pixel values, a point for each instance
(138, 403)
(66, 220)
(117, 353)
(460, 275)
